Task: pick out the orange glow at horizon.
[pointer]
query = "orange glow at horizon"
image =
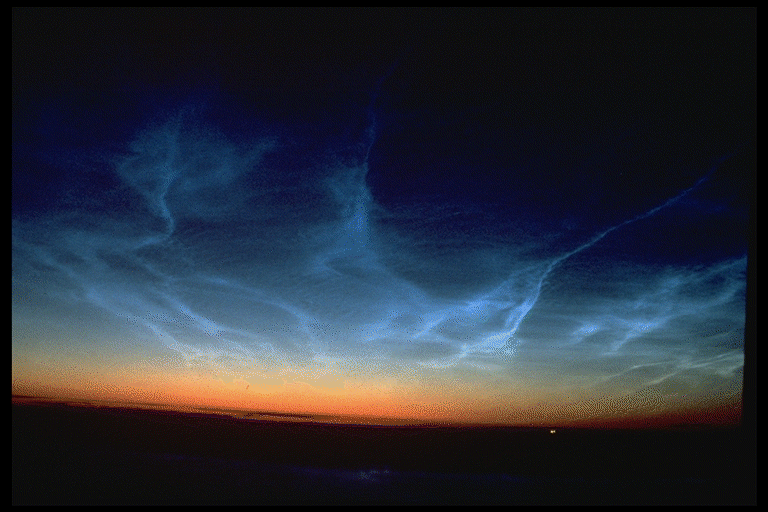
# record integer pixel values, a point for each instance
(184, 391)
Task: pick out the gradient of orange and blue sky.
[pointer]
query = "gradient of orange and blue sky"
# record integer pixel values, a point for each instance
(508, 216)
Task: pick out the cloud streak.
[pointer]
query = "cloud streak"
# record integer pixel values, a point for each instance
(238, 265)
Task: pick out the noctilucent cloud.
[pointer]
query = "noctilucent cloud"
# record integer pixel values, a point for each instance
(500, 216)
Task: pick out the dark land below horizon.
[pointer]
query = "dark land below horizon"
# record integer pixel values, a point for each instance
(81, 454)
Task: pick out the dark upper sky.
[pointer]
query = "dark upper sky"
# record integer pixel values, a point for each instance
(500, 213)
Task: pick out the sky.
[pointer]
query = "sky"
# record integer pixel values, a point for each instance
(498, 216)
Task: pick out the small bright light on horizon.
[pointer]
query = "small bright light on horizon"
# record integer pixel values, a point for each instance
(552, 431)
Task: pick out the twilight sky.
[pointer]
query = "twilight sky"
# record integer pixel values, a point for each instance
(498, 215)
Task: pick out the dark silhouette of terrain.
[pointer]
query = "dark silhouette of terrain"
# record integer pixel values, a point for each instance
(66, 454)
